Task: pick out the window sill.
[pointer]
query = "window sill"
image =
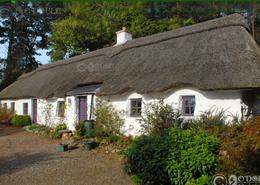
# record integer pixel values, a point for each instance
(188, 116)
(135, 116)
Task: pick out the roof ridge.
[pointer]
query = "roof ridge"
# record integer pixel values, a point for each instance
(135, 43)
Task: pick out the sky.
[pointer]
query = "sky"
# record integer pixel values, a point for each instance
(42, 58)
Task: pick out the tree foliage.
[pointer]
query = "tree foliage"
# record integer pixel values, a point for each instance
(93, 26)
(25, 28)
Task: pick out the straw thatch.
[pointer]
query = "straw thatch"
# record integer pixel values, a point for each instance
(217, 54)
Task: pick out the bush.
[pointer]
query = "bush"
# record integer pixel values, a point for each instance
(36, 128)
(159, 116)
(21, 120)
(147, 159)
(5, 114)
(212, 118)
(240, 148)
(79, 132)
(108, 121)
(192, 155)
(56, 132)
(203, 180)
(174, 157)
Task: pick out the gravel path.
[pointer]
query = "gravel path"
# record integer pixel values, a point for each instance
(29, 159)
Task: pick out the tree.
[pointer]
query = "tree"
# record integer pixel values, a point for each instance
(92, 26)
(25, 28)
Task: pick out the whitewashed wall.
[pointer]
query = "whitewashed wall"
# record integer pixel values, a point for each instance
(70, 114)
(230, 101)
(227, 100)
(47, 112)
(19, 105)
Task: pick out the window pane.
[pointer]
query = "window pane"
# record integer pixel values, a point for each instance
(61, 108)
(139, 104)
(25, 108)
(12, 106)
(134, 103)
(135, 108)
(188, 105)
(192, 110)
(187, 110)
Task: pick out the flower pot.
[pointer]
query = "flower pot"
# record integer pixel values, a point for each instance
(62, 147)
(89, 145)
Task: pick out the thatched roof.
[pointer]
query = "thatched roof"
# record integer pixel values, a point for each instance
(216, 54)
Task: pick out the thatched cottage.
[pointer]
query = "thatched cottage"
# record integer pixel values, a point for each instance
(211, 64)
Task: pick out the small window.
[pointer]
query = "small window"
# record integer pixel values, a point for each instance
(136, 107)
(5, 105)
(12, 106)
(61, 108)
(25, 108)
(188, 105)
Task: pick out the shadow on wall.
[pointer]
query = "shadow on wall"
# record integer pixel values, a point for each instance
(251, 98)
(19, 161)
(221, 95)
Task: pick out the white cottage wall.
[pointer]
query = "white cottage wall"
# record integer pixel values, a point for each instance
(71, 112)
(47, 112)
(19, 105)
(230, 101)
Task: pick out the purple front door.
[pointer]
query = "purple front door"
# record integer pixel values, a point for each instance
(83, 108)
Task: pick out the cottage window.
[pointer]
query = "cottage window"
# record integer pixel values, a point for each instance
(61, 108)
(136, 107)
(5, 105)
(25, 108)
(12, 106)
(188, 105)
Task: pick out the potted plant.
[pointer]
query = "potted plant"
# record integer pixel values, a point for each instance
(89, 144)
(62, 147)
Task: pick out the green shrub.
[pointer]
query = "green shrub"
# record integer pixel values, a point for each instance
(56, 132)
(136, 179)
(79, 132)
(21, 120)
(147, 159)
(174, 157)
(192, 155)
(212, 118)
(125, 140)
(36, 128)
(159, 116)
(108, 121)
(5, 114)
(203, 180)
